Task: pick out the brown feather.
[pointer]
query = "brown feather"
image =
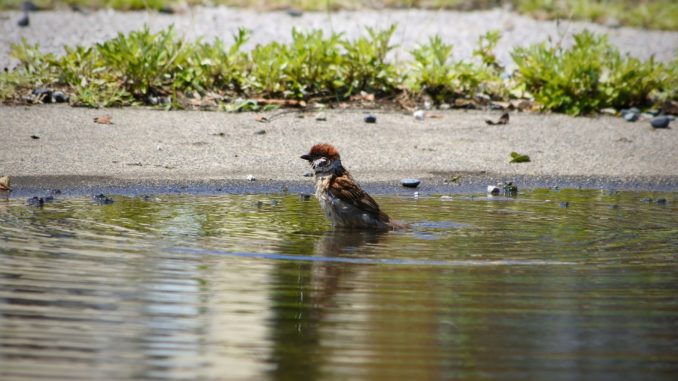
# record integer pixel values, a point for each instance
(345, 188)
(324, 150)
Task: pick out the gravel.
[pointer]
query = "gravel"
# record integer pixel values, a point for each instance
(55, 29)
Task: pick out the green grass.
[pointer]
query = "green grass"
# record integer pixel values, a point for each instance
(651, 14)
(134, 68)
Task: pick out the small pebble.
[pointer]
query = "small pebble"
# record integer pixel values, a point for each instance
(251, 178)
(614, 206)
(166, 10)
(493, 190)
(646, 199)
(35, 137)
(36, 201)
(59, 97)
(321, 117)
(370, 119)
(102, 199)
(308, 174)
(661, 201)
(152, 99)
(260, 132)
(304, 196)
(41, 91)
(419, 115)
(660, 121)
(565, 204)
(294, 12)
(631, 117)
(632, 110)
(410, 183)
(24, 21)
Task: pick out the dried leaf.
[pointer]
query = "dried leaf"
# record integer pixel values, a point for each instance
(4, 183)
(504, 119)
(281, 102)
(104, 119)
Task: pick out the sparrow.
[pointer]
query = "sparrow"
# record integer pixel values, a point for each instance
(341, 198)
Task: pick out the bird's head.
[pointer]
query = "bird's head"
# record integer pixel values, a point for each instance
(323, 158)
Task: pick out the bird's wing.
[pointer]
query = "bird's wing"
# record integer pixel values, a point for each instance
(345, 188)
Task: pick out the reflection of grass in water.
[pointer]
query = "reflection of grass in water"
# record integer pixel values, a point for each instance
(654, 14)
(599, 228)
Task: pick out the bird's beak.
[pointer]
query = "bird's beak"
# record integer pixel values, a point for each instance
(306, 157)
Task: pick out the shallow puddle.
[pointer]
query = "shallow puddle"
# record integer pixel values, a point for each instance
(552, 285)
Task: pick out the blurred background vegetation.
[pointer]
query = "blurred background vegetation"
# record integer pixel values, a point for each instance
(651, 14)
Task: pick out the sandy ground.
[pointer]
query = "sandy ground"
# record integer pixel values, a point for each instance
(150, 146)
(55, 29)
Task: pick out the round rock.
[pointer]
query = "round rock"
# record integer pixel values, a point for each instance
(631, 116)
(660, 121)
(370, 119)
(410, 183)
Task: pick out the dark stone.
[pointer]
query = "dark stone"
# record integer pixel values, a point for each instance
(152, 99)
(410, 183)
(102, 199)
(631, 117)
(294, 12)
(41, 91)
(304, 196)
(59, 97)
(35, 137)
(36, 201)
(661, 201)
(510, 189)
(660, 121)
(370, 119)
(24, 21)
(260, 132)
(565, 204)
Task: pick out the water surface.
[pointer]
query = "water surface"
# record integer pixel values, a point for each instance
(257, 287)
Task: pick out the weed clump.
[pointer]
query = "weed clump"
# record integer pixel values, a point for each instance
(160, 68)
(589, 76)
